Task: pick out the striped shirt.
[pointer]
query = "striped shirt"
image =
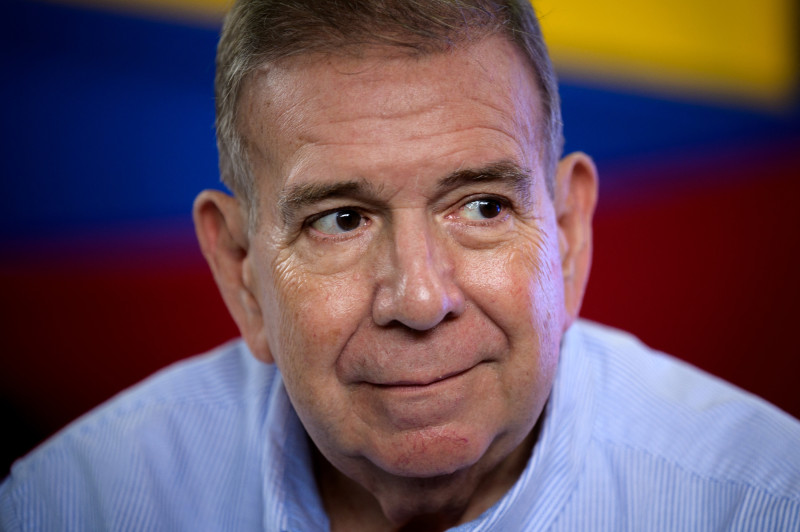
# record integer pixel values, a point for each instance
(631, 440)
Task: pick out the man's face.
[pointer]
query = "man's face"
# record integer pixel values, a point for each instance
(406, 260)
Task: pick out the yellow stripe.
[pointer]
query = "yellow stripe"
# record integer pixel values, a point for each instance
(736, 48)
(744, 49)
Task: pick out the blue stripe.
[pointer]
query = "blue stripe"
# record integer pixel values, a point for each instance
(109, 119)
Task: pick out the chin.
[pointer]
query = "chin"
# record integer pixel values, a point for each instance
(431, 452)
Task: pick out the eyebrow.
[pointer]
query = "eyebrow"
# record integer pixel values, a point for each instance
(501, 171)
(300, 196)
(303, 195)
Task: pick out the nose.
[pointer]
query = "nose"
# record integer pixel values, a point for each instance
(419, 289)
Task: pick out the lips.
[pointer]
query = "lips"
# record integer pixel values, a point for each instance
(411, 404)
(419, 383)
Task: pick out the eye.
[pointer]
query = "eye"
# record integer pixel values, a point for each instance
(482, 209)
(338, 222)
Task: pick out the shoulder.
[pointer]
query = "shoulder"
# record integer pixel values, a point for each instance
(179, 430)
(649, 404)
(223, 379)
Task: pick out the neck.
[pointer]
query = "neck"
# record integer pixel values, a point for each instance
(383, 502)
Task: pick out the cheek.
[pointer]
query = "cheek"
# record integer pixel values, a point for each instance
(545, 301)
(535, 317)
(311, 316)
(522, 279)
(521, 291)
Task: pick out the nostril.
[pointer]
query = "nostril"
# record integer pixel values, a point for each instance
(418, 309)
(419, 289)
(451, 316)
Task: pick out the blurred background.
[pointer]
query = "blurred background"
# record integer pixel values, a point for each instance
(690, 110)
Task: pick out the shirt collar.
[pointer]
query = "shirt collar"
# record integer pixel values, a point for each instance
(291, 498)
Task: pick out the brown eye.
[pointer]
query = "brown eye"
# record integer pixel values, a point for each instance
(348, 220)
(338, 222)
(489, 209)
(482, 209)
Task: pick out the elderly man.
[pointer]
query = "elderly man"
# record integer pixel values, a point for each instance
(405, 256)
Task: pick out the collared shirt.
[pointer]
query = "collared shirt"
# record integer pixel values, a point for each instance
(631, 440)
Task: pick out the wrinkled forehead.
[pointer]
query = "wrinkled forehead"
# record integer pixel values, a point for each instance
(369, 92)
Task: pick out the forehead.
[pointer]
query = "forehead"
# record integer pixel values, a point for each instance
(388, 105)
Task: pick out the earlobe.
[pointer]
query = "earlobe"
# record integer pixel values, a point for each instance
(221, 227)
(576, 197)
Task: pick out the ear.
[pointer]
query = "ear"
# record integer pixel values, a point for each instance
(220, 224)
(576, 197)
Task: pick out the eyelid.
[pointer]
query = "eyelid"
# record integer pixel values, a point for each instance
(320, 235)
(316, 216)
(505, 202)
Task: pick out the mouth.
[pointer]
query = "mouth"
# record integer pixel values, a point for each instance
(421, 383)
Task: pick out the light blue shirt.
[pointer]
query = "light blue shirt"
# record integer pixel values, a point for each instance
(631, 440)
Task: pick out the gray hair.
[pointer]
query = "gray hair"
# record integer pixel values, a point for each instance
(259, 32)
